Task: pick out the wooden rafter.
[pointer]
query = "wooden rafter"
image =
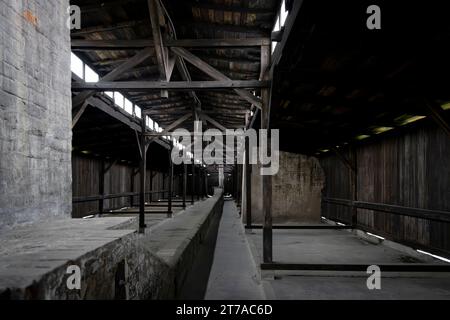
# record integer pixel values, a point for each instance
(214, 73)
(129, 64)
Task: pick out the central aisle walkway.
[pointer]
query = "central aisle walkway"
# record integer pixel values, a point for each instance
(233, 272)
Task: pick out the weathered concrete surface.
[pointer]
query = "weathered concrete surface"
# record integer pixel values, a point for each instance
(115, 263)
(339, 246)
(35, 111)
(296, 190)
(234, 274)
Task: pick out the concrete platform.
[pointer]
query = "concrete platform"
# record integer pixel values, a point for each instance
(115, 261)
(234, 274)
(340, 247)
(28, 253)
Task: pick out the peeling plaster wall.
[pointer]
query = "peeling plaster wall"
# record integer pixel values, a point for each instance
(296, 190)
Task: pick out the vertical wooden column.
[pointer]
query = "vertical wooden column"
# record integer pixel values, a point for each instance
(193, 183)
(266, 179)
(142, 178)
(101, 185)
(184, 184)
(132, 187)
(150, 196)
(197, 190)
(169, 199)
(248, 185)
(163, 185)
(354, 185)
(206, 183)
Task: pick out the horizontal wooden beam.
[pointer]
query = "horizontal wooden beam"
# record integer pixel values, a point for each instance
(436, 215)
(163, 85)
(394, 267)
(301, 227)
(87, 45)
(232, 8)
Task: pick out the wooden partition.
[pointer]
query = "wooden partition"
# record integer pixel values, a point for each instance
(402, 188)
(86, 177)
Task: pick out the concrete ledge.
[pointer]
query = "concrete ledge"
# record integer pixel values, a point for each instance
(114, 263)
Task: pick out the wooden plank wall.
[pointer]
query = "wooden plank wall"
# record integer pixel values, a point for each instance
(85, 182)
(411, 170)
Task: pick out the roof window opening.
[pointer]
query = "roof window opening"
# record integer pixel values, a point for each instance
(119, 99)
(137, 111)
(76, 66)
(150, 123)
(90, 75)
(128, 106)
(110, 94)
(276, 27)
(283, 13)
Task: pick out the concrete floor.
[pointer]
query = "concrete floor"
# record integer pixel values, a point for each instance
(233, 273)
(341, 246)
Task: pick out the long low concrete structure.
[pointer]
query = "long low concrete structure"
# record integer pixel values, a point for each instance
(115, 262)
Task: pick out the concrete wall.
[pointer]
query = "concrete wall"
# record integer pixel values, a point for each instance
(35, 111)
(296, 190)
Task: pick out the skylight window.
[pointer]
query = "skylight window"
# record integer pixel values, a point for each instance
(110, 94)
(137, 111)
(283, 14)
(151, 124)
(90, 75)
(128, 106)
(119, 99)
(76, 65)
(276, 27)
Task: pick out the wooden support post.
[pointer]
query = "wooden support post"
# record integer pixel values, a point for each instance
(163, 185)
(184, 184)
(350, 163)
(169, 200)
(354, 186)
(235, 183)
(101, 186)
(142, 179)
(197, 182)
(193, 183)
(206, 183)
(131, 188)
(266, 179)
(248, 184)
(151, 186)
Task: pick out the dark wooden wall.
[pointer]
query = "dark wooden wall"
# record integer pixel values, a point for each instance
(86, 177)
(410, 170)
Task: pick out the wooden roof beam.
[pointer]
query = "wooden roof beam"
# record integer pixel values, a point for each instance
(214, 73)
(88, 45)
(237, 85)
